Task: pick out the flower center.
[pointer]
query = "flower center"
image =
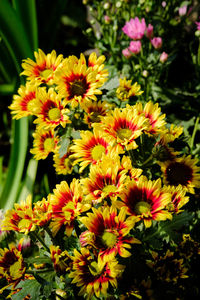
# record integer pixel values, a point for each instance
(78, 88)
(94, 268)
(97, 152)
(142, 207)
(110, 188)
(68, 163)
(54, 114)
(31, 105)
(46, 73)
(49, 144)
(124, 133)
(178, 173)
(109, 239)
(24, 223)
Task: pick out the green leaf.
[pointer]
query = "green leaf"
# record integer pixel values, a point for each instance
(64, 144)
(28, 287)
(111, 84)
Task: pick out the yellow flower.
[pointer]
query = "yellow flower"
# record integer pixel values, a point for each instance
(42, 70)
(24, 103)
(181, 171)
(61, 259)
(178, 198)
(44, 143)
(126, 90)
(63, 165)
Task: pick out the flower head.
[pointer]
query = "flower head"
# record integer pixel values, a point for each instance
(126, 90)
(163, 57)
(24, 103)
(67, 202)
(135, 47)
(135, 28)
(94, 275)
(149, 31)
(63, 164)
(127, 53)
(42, 70)
(145, 200)
(41, 212)
(181, 171)
(50, 111)
(108, 232)
(61, 259)
(156, 42)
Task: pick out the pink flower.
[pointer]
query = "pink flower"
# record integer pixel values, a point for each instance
(134, 28)
(163, 57)
(164, 4)
(157, 42)
(135, 47)
(107, 19)
(198, 25)
(149, 31)
(182, 10)
(126, 53)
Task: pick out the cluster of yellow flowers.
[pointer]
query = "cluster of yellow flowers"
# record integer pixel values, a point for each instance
(115, 192)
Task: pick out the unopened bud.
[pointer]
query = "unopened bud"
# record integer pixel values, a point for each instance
(145, 73)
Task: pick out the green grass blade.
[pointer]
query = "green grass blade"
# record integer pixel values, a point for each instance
(16, 163)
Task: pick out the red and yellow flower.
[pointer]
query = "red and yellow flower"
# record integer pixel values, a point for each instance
(145, 200)
(50, 111)
(152, 113)
(90, 148)
(183, 171)
(94, 275)
(123, 127)
(96, 63)
(61, 259)
(41, 212)
(126, 90)
(24, 103)
(63, 164)
(108, 232)
(106, 180)
(76, 82)
(42, 70)
(20, 218)
(45, 142)
(178, 198)
(67, 203)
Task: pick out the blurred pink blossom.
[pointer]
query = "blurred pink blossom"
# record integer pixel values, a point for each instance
(182, 10)
(135, 47)
(107, 19)
(149, 31)
(163, 57)
(164, 3)
(126, 53)
(198, 25)
(157, 42)
(134, 28)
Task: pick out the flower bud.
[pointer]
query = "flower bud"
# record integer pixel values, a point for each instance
(157, 42)
(163, 57)
(145, 73)
(135, 47)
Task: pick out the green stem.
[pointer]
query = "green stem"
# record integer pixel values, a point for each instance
(39, 271)
(36, 236)
(194, 133)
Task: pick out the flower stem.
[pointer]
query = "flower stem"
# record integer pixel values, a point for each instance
(36, 236)
(194, 133)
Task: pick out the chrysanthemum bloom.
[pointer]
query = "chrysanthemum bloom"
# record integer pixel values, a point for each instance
(61, 259)
(43, 69)
(133, 173)
(149, 31)
(123, 126)
(188, 247)
(105, 180)
(126, 90)
(152, 113)
(163, 57)
(12, 266)
(96, 63)
(44, 143)
(135, 47)
(108, 232)
(64, 164)
(134, 28)
(168, 268)
(156, 42)
(170, 134)
(90, 148)
(94, 275)
(76, 82)
(93, 110)
(20, 218)
(67, 202)
(41, 212)
(181, 170)
(145, 200)
(24, 103)
(178, 198)
(126, 53)
(50, 111)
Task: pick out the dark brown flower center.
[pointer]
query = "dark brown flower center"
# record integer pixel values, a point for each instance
(78, 88)
(178, 173)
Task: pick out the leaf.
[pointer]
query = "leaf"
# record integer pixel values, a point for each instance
(29, 287)
(111, 84)
(64, 144)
